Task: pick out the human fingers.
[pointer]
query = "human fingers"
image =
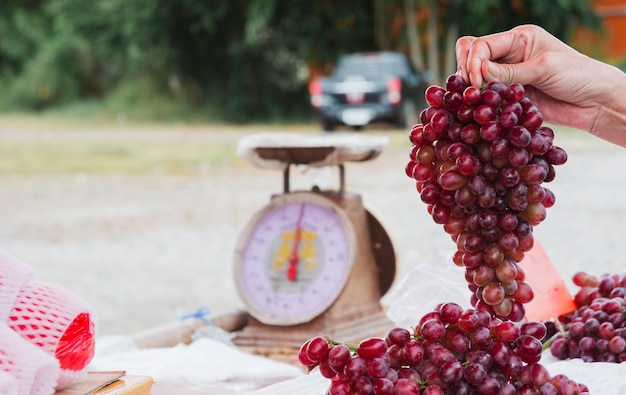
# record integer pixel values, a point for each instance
(462, 47)
(525, 73)
(517, 45)
(505, 47)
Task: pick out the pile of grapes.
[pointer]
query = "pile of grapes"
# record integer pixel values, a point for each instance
(479, 160)
(596, 330)
(451, 351)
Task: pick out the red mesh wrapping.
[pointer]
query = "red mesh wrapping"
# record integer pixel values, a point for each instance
(32, 370)
(59, 322)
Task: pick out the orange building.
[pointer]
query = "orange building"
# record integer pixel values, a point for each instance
(611, 43)
(613, 14)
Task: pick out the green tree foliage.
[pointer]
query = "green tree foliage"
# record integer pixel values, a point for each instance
(560, 17)
(480, 17)
(246, 60)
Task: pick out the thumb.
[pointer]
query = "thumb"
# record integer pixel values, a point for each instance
(505, 73)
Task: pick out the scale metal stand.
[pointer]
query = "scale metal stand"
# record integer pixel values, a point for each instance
(353, 310)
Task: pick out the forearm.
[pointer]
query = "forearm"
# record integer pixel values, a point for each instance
(610, 121)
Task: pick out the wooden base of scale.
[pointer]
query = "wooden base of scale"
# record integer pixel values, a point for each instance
(260, 336)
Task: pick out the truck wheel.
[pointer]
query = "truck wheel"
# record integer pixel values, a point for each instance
(328, 125)
(408, 116)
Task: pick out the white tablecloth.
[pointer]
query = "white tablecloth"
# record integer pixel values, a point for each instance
(215, 367)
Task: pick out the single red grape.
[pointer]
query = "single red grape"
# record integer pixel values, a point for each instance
(371, 348)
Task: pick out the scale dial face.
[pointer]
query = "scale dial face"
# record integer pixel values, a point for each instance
(293, 258)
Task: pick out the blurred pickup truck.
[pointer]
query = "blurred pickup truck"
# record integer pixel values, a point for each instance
(369, 87)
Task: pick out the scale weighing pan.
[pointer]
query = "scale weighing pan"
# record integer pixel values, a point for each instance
(277, 150)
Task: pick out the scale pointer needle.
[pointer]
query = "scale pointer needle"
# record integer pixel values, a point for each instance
(292, 270)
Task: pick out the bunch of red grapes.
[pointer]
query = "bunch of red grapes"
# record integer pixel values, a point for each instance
(451, 351)
(479, 159)
(596, 330)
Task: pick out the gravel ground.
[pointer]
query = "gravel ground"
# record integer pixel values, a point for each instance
(143, 250)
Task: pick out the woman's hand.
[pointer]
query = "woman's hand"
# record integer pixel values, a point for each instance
(570, 88)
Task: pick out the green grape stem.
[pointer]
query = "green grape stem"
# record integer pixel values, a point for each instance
(351, 346)
(546, 345)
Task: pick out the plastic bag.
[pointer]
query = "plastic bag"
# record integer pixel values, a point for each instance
(423, 288)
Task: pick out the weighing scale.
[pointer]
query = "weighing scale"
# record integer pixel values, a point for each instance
(312, 262)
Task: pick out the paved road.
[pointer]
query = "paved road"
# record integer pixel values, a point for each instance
(144, 250)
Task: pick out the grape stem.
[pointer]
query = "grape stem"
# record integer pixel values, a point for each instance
(351, 346)
(559, 326)
(548, 342)
(546, 345)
